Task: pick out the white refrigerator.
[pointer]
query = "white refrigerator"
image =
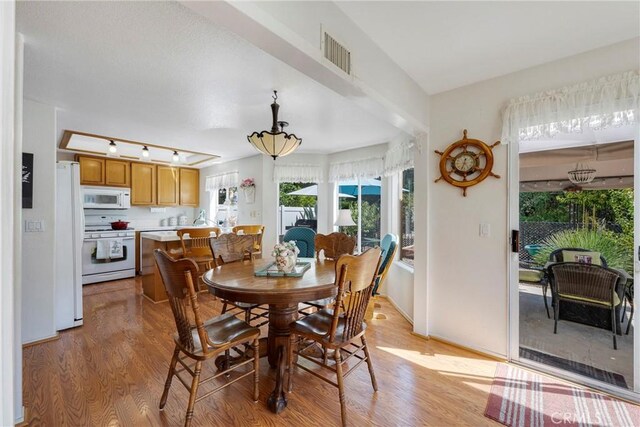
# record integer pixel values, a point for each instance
(69, 233)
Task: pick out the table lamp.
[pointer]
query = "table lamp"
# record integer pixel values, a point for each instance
(344, 218)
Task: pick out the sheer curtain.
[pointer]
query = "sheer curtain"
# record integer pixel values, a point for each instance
(597, 104)
(298, 173)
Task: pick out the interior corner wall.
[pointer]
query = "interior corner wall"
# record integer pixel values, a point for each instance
(467, 275)
(39, 138)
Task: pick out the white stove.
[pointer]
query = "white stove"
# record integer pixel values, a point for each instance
(107, 254)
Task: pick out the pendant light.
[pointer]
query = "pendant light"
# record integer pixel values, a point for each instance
(275, 143)
(175, 157)
(112, 147)
(145, 152)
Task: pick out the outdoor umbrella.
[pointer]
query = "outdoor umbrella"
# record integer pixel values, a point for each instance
(312, 190)
(370, 187)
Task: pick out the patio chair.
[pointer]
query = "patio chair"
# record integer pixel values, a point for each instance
(304, 238)
(628, 295)
(588, 284)
(535, 276)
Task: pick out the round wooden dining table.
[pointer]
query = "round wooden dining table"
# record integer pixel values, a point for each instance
(237, 282)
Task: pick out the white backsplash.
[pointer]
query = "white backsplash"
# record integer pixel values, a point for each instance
(142, 217)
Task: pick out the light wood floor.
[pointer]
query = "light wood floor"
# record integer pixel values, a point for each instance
(111, 372)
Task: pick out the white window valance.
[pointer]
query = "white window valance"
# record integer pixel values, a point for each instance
(399, 156)
(224, 180)
(372, 167)
(298, 173)
(598, 104)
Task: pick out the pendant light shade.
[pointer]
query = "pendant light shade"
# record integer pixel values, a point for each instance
(112, 147)
(175, 157)
(275, 143)
(145, 152)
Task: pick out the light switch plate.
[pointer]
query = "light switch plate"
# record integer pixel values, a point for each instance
(485, 229)
(34, 225)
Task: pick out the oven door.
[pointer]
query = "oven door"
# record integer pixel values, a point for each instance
(96, 270)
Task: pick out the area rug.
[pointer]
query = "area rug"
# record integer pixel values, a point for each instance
(573, 366)
(522, 398)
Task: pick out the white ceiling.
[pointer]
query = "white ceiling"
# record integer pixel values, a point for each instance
(447, 44)
(157, 65)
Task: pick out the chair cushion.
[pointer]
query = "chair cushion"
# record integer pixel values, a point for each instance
(316, 326)
(584, 257)
(528, 275)
(223, 329)
(616, 299)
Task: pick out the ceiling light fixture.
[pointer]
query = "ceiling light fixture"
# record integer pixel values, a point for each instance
(275, 143)
(145, 152)
(175, 157)
(582, 174)
(112, 147)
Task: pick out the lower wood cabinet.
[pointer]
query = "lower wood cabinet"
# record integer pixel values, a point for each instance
(143, 184)
(168, 186)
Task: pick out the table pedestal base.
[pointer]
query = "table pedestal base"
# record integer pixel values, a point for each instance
(280, 319)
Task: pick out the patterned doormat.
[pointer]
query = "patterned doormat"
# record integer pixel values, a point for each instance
(522, 398)
(572, 366)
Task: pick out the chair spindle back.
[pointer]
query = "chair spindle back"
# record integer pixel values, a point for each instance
(177, 277)
(356, 276)
(198, 243)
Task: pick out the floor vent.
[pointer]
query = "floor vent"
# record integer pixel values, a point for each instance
(337, 54)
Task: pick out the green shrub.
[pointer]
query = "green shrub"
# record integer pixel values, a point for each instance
(611, 245)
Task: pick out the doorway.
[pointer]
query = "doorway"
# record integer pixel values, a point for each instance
(576, 192)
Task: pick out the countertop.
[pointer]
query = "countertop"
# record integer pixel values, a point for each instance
(164, 235)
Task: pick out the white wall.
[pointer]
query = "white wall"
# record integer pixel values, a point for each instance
(10, 368)
(467, 275)
(39, 138)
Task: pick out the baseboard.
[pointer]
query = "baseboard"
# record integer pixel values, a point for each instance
(41, 341)
(401, 311)
(483, 353)
(22, 421)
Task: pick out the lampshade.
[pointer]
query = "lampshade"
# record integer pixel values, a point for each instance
(344, 218)
(275, 143)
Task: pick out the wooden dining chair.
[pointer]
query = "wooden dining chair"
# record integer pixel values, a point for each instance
(334, 245)
(227, 248)
(197, 246)
(257, 231)
(198, 340)
(338, 329)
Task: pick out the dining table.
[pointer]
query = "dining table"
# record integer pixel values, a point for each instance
(237, 282)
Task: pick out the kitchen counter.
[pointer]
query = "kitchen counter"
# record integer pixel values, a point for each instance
(163, 236)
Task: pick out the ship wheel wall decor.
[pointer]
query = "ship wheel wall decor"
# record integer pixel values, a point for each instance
(466, 162)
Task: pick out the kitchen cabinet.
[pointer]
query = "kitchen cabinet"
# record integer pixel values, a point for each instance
(168, 186)
(189, 187)
(143, 184)
(92, 170)
(117, 173)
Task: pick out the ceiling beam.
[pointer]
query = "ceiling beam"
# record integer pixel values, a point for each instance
(377, 84)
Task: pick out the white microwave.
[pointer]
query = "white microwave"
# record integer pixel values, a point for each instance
(106, 198)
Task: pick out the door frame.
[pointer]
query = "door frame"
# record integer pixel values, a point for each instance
(513, 309)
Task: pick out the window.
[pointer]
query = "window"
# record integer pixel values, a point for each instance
(298, 206)
(224, 206)
(407, 230)
(362, 197)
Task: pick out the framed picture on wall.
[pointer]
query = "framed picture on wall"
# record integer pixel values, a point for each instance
(27, 180)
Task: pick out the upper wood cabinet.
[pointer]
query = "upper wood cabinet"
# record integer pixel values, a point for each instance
(143, 184)
(150, 184)
(92, 170)
(117, 173)
(168, 185)
(189, 187)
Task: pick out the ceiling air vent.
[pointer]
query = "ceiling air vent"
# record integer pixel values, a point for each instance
(337, 54)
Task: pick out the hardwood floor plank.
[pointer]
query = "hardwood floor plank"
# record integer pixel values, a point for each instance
(111, 371)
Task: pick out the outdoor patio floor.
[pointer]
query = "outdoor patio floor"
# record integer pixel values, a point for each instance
(577, 344)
